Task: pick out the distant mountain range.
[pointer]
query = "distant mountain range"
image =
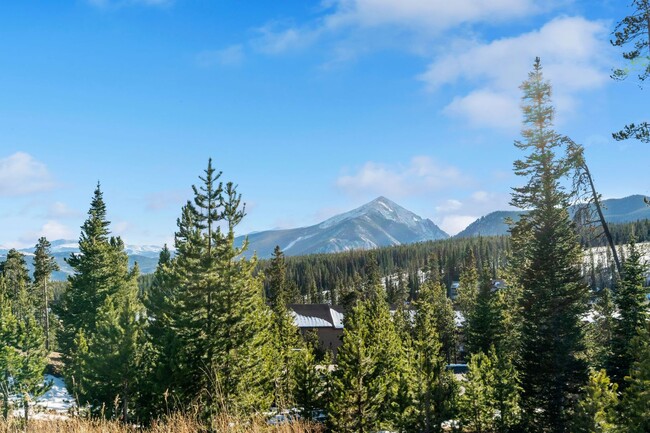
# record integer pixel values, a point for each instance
(378, 223)
(145, 255)
(615, 210)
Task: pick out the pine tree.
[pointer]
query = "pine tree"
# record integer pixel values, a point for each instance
(114, 351)
(357, 392)
(287, 337)
(22, 358)
(634, 30)
(554, 298)
(309, 392)
(92, 281)
(276, 275)
(160, 353)
(483, 322)
(632, 308)
(601, 331)
(223, 327)
(434, 385)
(101, 316)
(444, 316)
(490, 402)
(468, 287)
(18, 285)
(636, 397)
(44, 265)
(596, 409)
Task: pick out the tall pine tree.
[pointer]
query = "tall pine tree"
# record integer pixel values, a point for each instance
(554, 298)
(44, 265)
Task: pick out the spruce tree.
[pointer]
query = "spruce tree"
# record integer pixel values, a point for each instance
(44, 265)
(632, 317)
(22, 358)
(310, 388)
(491, 399)
(635, 403)
(601, 330)
(113, 361)
(101, 315)
(553, 298)
(434, 386)
(357, 391)
(18, 285)
(161, 349)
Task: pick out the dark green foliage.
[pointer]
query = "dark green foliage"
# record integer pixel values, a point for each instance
(22, 358)
(44, 265)
(357, 392)
(222, 334)
(631, 302)
(601, 330)
(633, 32)
(434, 387)
(18, 287)
(340, 272)
(548, 256)
(635, 405)
(101, 316)
(311, 384)
(366, 383)
(483, 324)
(491, 399)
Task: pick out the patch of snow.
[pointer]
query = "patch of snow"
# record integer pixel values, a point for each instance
(295, 241)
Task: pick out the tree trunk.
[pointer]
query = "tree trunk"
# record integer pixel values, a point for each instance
(603, 223)
(47, 318)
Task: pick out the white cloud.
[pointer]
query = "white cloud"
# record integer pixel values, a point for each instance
(276, 38)
(453, 224)
(61, 210)
(574, 56)
(413, 21)
(449, 205)
(421, 175)
(52, 229)
(229, 56)
(21, 174)
(103, 4)
(430, 15)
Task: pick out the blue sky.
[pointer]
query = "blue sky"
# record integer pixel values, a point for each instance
(311, 107)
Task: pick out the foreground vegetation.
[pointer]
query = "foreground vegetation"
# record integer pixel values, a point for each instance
(173, 424)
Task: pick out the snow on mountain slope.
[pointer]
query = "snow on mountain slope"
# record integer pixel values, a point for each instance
(378, 223)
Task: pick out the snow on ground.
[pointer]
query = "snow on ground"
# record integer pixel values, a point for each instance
(54, 404)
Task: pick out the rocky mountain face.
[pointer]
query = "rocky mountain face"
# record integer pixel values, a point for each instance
(615, 210)
(378, 223)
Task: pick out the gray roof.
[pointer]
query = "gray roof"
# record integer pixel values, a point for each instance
(317, 315)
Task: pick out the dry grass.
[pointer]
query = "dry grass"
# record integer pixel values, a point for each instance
(172, 424)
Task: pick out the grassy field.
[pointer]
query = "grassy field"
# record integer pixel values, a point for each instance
(173, 424)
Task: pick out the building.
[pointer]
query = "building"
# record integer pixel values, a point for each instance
(325, 320)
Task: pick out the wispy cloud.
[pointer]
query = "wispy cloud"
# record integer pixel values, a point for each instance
(453, 215)
(165, 199)
(574, 56)
(105, 4)
(61, 210)
(422, 174)
(229, 56)
(408, 18)
(21, 174)
(51, 229)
